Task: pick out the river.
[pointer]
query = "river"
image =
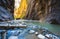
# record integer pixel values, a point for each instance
(51, 27)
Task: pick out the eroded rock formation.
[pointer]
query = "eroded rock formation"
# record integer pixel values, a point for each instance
(6, 10)
(44, 10)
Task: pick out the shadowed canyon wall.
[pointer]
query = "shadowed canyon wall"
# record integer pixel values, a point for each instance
(38, 9)
(44, 10)
(6, 10)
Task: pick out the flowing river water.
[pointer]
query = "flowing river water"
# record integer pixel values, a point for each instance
(51, 27)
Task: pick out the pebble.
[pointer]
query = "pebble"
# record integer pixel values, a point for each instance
(36, 33)
(40, 36)
(13, 37)
(31, 31)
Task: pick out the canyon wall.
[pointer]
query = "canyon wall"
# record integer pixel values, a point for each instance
(44, 10)
(6, 10)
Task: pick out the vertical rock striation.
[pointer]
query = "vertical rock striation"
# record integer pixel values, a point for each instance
(6, 10)
(44, 10)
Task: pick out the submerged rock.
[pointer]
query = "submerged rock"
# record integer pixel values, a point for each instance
(40, 36)
(31, 31)
(13, 37)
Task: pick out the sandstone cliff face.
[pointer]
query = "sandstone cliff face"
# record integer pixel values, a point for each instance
(38, 9)
(44, 10)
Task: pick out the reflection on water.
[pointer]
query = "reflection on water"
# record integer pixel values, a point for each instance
(51, 27)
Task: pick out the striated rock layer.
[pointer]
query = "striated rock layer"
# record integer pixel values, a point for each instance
(6, 10)
(44, 10)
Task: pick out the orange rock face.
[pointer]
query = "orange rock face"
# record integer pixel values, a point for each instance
(20, 11)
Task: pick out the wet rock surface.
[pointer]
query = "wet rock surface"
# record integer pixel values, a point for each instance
(31, 31)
